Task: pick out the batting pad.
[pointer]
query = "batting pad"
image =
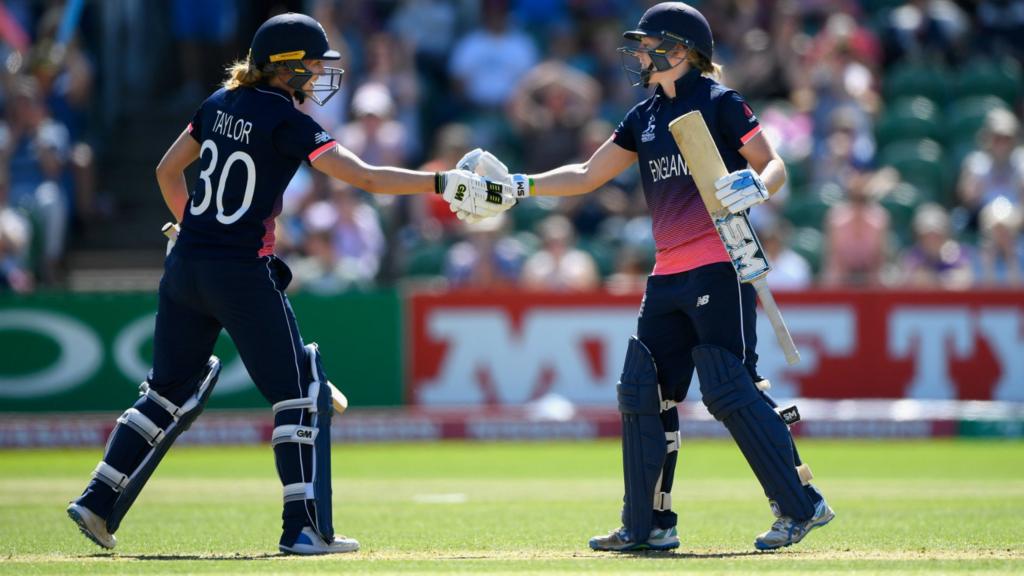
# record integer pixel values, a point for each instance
(643, 439)
(302, 450)
(763, 438)
(142, 437)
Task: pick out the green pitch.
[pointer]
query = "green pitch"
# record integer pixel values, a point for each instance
(914, 507)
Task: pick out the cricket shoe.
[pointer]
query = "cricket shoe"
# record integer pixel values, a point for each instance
(619, 541)
(785, 531)
(94, 527)
(309, 543)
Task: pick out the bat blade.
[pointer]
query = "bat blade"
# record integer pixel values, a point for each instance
(702, 158)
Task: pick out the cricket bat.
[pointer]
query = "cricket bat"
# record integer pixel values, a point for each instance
(705, 165)
(340, 401)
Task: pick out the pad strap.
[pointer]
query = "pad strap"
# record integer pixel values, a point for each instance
(662, 501)
(307, 403)
(804, 472)
(139, 422)
(170, 407)
(298, 491)
(110, 476)
(293, 433)
(672, 441)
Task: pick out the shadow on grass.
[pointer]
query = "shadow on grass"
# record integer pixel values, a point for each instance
(179, 557)
(675, 555)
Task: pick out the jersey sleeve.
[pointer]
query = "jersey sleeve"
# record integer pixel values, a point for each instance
(195, 126)
(624, 134)
(736, 121)
(301, 137)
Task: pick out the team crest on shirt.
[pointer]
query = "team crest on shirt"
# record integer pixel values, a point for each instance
(648, 134)
(322, 137)
(751, 118)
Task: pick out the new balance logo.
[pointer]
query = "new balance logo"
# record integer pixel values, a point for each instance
(322, 137)
(702, 300)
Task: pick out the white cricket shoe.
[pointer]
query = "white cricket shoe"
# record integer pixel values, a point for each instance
(310, 543)
(785, 531)
(94, 527)
(619, 541)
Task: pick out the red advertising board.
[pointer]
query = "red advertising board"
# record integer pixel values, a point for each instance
(510, 348)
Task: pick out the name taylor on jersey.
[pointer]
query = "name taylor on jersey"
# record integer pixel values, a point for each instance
(668, 167)
(237, 129)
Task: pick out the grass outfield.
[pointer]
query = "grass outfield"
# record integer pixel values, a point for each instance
(913, 507)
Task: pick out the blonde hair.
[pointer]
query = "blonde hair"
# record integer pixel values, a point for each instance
(704, 64)
(245, 73)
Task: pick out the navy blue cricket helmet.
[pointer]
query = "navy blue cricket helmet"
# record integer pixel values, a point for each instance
(673, 23)
(288, 39)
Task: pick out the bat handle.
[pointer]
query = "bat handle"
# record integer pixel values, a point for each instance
(778, 324)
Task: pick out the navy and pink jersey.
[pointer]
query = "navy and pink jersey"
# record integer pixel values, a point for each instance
(252, 141)
(684, 236)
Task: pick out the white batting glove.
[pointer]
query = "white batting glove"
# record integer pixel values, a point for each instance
(740, 190)
(487, 165)
(468, 194)
(170, 230)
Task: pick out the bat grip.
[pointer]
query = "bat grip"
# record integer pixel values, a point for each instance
(778, 324)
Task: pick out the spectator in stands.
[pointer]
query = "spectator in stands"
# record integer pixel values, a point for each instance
(487, 63)
(432, 212)
(65, 75)
(996, 169)
(857, 234)
(390, 63)
(36, 148)
(15, 238)
(999, 260)
(487, 259)
(374, 135)
(632, 267)
(935, 260)
(1001, 27)
(559, 265)
(343, 244)
(927, 31)
(205, 34)
(549, 108)
(790, 271)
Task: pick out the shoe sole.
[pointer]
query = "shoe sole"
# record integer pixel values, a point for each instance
(818, 524)
(294, 552)
(80, 522)
(638, 547)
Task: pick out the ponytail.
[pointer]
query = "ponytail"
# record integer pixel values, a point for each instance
(704, 64)
(244, 73)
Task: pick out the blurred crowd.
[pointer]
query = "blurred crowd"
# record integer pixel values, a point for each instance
(899, 123)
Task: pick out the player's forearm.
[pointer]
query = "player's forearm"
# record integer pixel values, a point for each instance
(568, 180)
(175, 192)
(773, 175)
(392, 180)
(342, 164)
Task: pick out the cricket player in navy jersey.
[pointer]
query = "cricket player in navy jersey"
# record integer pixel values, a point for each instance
(222, 273)
(695, 313)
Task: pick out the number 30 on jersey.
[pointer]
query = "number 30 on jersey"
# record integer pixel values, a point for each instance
(225, 169)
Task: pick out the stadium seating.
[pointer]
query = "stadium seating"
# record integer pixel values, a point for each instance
(908, 80)
(908, 118)
(984, 77)
(808, 211)
(921, 163)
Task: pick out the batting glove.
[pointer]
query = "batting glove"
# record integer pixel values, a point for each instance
(487, 165)
(740, 190)
(468, 194)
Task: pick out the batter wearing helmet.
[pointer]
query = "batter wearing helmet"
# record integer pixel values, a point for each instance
(695, 314)
(222, 274)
